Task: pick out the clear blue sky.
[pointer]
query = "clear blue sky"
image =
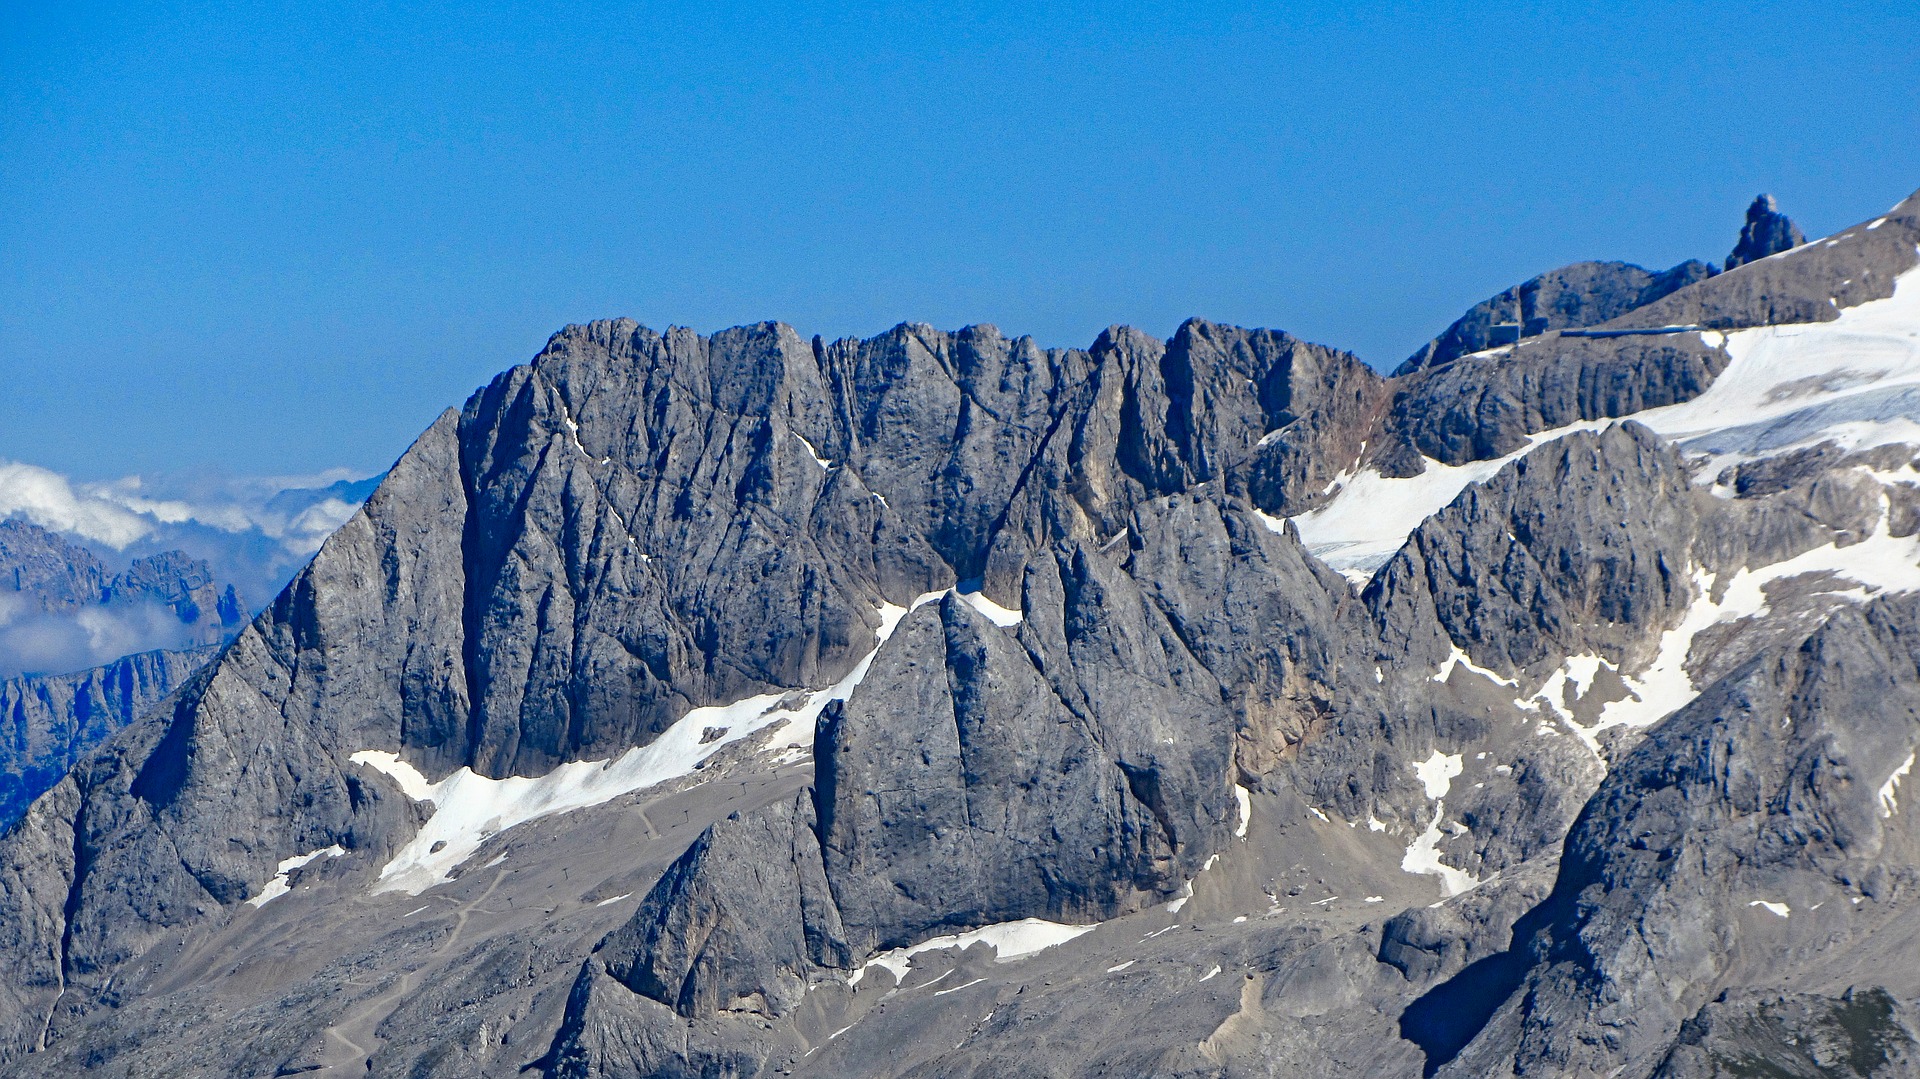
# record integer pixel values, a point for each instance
(273, 237)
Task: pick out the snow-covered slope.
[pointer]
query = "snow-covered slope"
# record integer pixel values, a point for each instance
(1854, 381)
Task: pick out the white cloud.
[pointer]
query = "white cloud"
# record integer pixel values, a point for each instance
(56, 643)
(255, 531)
(48, 500)
(311, 527)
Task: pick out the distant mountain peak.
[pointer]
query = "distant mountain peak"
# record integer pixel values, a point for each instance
(65, 610)
(1585, 294)
(1767, 232)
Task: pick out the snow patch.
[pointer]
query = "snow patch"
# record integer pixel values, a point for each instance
(278, 886)
(1243, 802)
(825, 465)
(1780, 910)
(957, 988)
(998, 615)
(1423, 857)
(1458, 658)
(1210, 973)
(1881, 563)
(1372, 515)
(1009, 940)
(1581, 671)
(1438, 771)
(1436, 774)
(1117, 969)
(470, 808)
(610, 901)
(1889, 802)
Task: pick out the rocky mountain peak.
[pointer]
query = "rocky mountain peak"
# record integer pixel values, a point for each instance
(939, 705)
(1767, 232)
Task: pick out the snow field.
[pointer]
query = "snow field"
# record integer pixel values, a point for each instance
(1009, 940)
(1786, 386)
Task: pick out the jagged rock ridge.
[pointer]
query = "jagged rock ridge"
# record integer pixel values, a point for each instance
(1092, 689)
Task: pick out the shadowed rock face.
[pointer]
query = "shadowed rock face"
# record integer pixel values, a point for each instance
(1767, 232)
(52, 721)
(1120, 692)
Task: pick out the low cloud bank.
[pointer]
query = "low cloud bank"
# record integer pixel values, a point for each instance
(254, 532)
(43, 643)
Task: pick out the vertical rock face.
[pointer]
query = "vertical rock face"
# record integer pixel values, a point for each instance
(1068, 663)
(1767, 232)
(1516, 572)
(53, 721)
(738, 923)
(1483, 407)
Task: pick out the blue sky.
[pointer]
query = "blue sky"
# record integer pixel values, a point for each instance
(278, 238)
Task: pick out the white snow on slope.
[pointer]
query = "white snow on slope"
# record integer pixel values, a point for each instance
(1372, 515)
(278, 886)
(1880, 564)
(470, 808)
(1855, 380)
(1890, 790)
(825, 465)
(1459, 658)
(1436, 775)
(1243, 804)
(998, 615)
(1423, 856)
(1009, 940)
(1437, 772)
(1778, 910)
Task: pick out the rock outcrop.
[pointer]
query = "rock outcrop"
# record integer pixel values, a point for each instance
(1583, 294)
(939, 704)
(1767, 232)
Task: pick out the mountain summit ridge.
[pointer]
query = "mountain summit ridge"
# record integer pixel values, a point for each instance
(936, 634)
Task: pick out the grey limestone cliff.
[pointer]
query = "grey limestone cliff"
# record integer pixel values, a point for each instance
(1080, 688)
(54, 720)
